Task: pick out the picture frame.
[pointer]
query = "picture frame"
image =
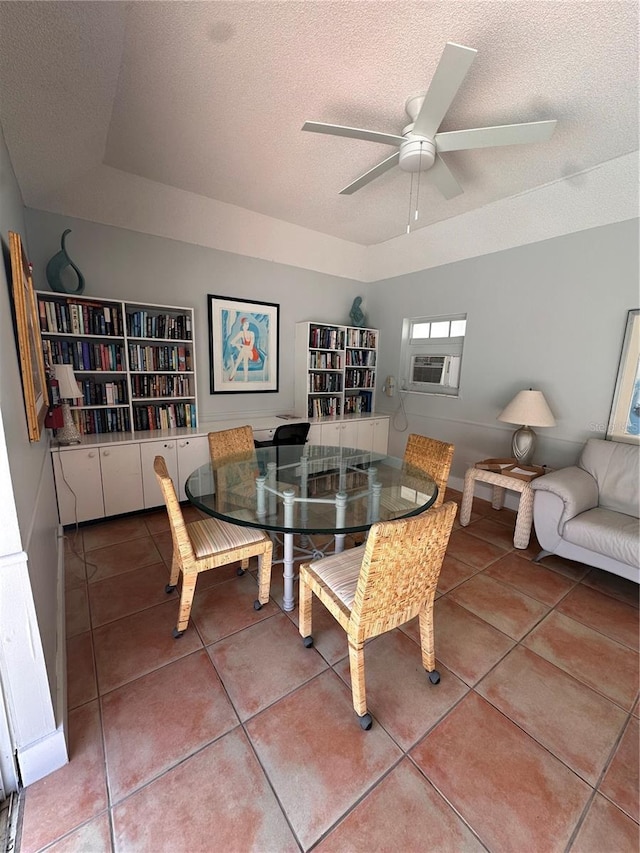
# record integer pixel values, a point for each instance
(29, 342)
(244, 340)
(624, 420)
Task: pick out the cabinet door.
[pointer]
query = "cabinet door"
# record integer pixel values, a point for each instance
(330, 433)
(192, 453)
(380, 435)
(78, 485)
(121, 478)
(315, 434)
(152, 495)
(365, 434)
(349, 434)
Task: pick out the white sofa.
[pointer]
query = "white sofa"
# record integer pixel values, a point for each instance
(589, 512)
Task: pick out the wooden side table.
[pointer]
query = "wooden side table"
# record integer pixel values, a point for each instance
(500, 482)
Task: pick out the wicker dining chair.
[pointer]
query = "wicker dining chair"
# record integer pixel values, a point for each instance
(230, 442)
(371, 593)
(208, 544)
(432, 456)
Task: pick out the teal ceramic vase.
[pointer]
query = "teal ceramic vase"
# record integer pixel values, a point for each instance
(62, 273)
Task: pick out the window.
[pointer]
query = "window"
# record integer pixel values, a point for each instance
(431, 354)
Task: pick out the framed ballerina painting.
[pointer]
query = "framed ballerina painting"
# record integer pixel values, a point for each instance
(243, 345)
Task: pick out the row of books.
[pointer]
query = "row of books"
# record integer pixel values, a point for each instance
(161, 386)
(361, 358)
(165, 416)
(157, 357)
(324, 407)
(142, 324)
(325, 337)
(79, 318)
(362, 338)
(103, 393)
(92, 421)
(355, 404)
(360, 378)
(324, 382)
(83, 355)
(325, 361)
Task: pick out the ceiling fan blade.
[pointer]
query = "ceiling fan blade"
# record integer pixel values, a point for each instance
(443, 178)
(504, 134)
(353, 132)
(452, 69)
(380, 169)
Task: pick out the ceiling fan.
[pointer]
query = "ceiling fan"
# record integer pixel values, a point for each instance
(420, 144)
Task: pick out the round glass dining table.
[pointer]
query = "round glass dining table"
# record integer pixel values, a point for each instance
(309, 489)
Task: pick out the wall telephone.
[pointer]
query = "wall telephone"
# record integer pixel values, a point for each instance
(390, 386)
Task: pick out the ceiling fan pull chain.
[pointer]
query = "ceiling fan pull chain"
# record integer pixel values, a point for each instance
(410, 197)
(415, 216)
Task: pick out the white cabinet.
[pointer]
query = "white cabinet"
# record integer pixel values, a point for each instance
(78, 484)
(192, 453)
(121, 478)
(380, 435)
(152, 496)
(363, 433)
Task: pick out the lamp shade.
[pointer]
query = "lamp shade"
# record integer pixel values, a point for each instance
(529, 408)
(67, 385)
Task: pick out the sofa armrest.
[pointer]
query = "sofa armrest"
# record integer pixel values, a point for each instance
(577, 490)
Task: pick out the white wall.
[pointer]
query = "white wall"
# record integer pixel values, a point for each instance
(549, 315)
(128, 265)
(30, 654)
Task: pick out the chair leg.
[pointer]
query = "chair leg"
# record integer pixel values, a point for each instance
(426, 640)
(175, 573)
(186, 600)
(358, 691)
(264, 573)
(305, 604)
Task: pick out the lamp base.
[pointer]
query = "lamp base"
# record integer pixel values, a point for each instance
(68, 432)
(523, 444)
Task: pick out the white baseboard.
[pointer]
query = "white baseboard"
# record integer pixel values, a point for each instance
(38, 759)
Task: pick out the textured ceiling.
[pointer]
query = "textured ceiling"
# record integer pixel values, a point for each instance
(210, 98)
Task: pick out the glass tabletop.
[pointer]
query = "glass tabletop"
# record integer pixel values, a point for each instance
(310, 489)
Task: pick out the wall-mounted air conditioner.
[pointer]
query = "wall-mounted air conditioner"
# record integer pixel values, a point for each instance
(443, 370)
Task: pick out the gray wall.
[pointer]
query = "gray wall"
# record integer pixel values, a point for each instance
(128, 265)
(549, 315)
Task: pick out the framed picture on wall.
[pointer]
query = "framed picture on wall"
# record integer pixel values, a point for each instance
(243, 345)
(624, 421)
(27, 325)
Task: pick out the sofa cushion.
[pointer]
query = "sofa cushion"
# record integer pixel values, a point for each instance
(613, 534)
(616, 468)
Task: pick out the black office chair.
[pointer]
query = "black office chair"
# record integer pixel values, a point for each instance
(287, 434)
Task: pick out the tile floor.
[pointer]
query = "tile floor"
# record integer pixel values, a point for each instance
(236, 738)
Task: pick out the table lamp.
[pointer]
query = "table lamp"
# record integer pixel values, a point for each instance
(69, 390)
(532, 410)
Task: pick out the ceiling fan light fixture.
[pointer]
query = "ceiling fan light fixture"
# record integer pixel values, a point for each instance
(417, 154)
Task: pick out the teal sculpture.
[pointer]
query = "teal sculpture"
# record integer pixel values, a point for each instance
(60, 268)
(356, 315)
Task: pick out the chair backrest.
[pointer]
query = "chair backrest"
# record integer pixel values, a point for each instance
(181, 542)
(432, 456)
(230, 442)
(291, 434)
(400, 568)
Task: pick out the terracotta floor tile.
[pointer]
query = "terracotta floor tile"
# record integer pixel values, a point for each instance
(502, 606)
(158, 720)
(157, 522)
(453, 573)
(367, 827)
(164, 544)
(608, 667)
(120, 558)
(576, 724)
(223, 573)
(399, 693)
(568, 568)
(137, 644)
(606, 828)
(93, 837)
(328, 637)
(128, 593)
(475, 552)
(74, 570)
(76, 612)
(610, 616)
(112, 531)
(614, 585)
(464, 643)
(81, 674)
(218, 799)
(494, 532)
(73, 794)
(228, 607)
(244, 662)
(532, 579)
(308, 741)
(621, 782)
(518, 797)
